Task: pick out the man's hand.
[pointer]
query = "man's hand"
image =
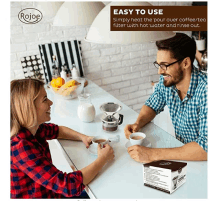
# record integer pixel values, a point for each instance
(191, 151)
(131, 128)
(146, 115)
(142, 154)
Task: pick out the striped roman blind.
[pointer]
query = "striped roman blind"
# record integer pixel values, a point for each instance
(66, 52)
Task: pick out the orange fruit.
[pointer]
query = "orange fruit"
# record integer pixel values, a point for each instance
(60, 81)
(53, 83)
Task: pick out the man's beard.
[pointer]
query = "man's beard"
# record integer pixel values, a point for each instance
(176, 78)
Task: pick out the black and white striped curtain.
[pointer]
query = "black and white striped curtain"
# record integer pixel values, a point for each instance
(66, 52)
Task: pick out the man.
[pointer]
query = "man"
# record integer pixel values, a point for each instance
(184, 90)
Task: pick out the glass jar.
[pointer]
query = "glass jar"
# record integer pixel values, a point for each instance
(86, 110)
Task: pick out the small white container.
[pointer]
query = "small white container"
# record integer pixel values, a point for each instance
(63, 74)
(74, 72)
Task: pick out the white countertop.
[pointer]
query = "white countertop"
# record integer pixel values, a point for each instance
(123, 177)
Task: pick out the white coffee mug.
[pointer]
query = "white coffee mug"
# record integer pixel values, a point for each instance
(99, 138)
(137, 138)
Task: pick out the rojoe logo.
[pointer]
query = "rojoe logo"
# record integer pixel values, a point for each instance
(30, 16)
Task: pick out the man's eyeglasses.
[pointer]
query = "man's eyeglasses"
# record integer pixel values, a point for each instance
(164, 66)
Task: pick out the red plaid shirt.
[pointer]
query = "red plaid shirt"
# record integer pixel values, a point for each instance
(32, 173)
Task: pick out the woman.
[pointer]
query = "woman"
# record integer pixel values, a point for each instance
(32, 173)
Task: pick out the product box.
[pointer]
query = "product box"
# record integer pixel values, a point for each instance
(165, 175)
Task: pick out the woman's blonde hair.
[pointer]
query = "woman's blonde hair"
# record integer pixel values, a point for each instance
(23, 94)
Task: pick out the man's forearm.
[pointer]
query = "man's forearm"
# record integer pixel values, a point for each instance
(67, 133)
(146, 115)
(189, 152)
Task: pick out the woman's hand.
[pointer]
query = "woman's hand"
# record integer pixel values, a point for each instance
(106, 153)
(87, 140)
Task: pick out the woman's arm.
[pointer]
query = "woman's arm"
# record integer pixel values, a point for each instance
(69, 134)
(104, 155)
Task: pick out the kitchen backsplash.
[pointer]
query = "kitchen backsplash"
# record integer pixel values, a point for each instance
(125, 71)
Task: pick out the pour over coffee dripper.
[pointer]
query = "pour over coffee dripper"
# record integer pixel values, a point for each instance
(111, 118)
(110, 109)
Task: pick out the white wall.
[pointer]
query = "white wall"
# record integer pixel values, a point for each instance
(125, 71)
